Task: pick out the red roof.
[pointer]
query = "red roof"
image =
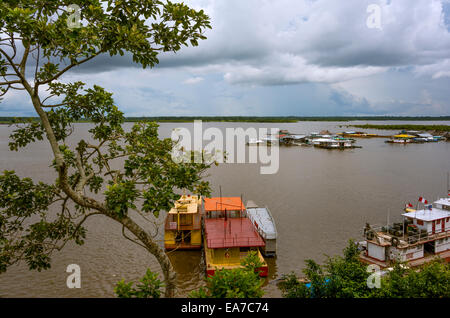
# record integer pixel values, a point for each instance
(235, 232)
(220, 204)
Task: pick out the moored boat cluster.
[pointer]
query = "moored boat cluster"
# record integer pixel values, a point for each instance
(225, 228)
(342, 140)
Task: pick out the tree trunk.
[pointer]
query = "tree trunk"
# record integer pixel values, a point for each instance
(144, 237)
(158, 252)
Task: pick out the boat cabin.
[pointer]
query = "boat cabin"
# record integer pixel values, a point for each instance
(229, 235)
(182, 228)
(422, 235)
(264, 223)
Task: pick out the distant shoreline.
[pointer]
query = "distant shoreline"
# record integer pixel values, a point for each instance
(265, 119)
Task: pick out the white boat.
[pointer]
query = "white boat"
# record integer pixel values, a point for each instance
(254, 141)
(270, 139)
(421, 236)
(325, 143)
(265, 225)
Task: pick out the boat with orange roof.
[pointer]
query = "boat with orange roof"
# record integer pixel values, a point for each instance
(229, 235)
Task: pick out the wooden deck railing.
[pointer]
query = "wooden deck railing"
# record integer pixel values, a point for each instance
(415, 238)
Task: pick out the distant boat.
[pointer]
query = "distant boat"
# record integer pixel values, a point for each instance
(401, 139)
(325, 143)
(329, 143)
(398, 141)
(358, 134)
(270, 139)
(254, 142)
(264, 223)
(293, 139)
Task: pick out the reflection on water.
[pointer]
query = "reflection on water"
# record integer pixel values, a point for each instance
(319, 199)
(190, 269)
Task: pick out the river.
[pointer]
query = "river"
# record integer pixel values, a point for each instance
(319, 199)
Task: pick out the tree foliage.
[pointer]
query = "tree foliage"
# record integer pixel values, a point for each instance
(115, 171)
(241, 282)
(346, 277)
(148, 287)
(432, 280)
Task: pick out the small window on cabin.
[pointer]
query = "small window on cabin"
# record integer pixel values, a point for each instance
(419, 222)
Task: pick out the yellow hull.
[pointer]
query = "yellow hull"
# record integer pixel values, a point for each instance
(188, 240)
(230, 258)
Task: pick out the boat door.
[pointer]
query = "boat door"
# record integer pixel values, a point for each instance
(443, 225)
(433, 227)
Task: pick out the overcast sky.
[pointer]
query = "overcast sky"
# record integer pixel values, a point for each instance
(289, 57)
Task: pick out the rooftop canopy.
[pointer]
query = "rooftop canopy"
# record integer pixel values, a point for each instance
(443, 201)
(428, 215)
(224, 203)
(404, 136)
(186, 204)
(236, 232)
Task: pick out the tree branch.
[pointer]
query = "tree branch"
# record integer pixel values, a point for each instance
(68, 68)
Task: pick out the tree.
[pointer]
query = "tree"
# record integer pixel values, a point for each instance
(345, 277)
(432, 280)
(148, 287)
(116, 173)
(291, 287)
(340, 277)
(241, 282)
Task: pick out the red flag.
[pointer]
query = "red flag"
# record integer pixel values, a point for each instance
(423, 200)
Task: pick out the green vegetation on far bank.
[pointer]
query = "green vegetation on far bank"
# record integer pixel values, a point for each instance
(442, 128)
(266, 119)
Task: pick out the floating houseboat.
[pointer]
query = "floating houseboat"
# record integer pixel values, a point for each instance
(423, 235)
(229, 235)
(271, 139)
(330, 143)
(255, 142)
(401, 139)
(264, 223)
(357, 134)
(293, 140)
(182, 230)
(424, 137)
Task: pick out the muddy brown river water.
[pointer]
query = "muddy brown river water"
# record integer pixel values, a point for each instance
(319, 199)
